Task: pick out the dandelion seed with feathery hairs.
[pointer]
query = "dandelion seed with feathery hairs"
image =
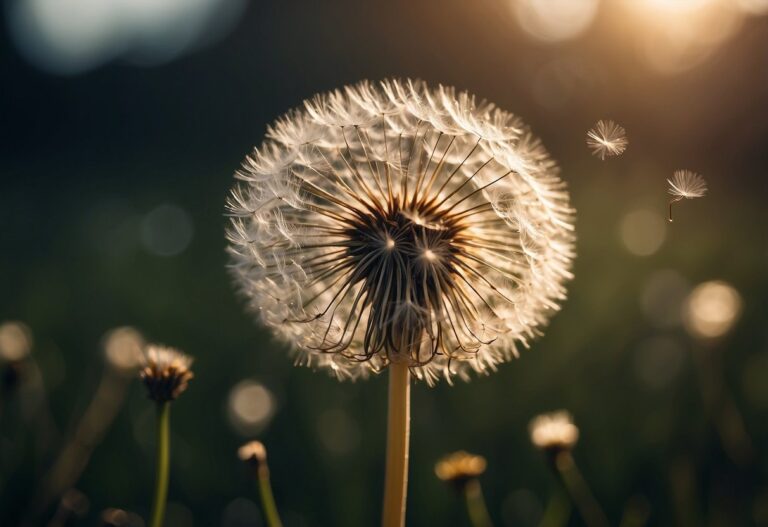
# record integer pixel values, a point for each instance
(399, 227)
(685, 184)
(607, 139)
(399, 223)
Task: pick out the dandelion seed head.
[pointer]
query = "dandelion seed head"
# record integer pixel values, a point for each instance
(687, 184)
(392, 221)
(459, 467)
(165, 372)
(554, 431)
(607, 139)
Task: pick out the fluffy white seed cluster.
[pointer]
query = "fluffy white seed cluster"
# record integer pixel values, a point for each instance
(394, 222)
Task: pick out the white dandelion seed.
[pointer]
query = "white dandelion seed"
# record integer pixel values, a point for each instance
(607, 139)
(395, 222)
(685, 184)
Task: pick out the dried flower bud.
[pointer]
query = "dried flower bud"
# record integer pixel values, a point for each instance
(252, 451)
(554, 432)
(460, 467)
(165, 373)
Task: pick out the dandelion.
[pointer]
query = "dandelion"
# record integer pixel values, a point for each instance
(165, 374)
(685, 184)
(554, 431)
(462, 470)
(254, 453)
(607, 139)
(400, 227)
(556, 435)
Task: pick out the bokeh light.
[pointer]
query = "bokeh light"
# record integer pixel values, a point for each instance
(555, 20)
(73, 36)
(643, 231)
(712, 309)
(166, 230)
(15, 341)
(123, 348)
(675, 35)
(658, 361)
(338, 432)
(662, 298)
(250, 407)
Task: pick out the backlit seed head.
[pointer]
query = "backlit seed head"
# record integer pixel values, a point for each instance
(165, 372)
(554, 431)
(395, 222)
(459, 467)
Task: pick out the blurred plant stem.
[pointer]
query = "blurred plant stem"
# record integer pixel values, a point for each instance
(578, 490)
(398, 432)
(721, 407)
(637, 512)
(478, 512)
(558, 509)
(88, 433)
(163, 462)
(267, 497)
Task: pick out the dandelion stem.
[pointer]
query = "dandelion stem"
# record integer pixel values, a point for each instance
(578, 489)
(163, 462)
(478, 512)
(398, 432)
(267, 498)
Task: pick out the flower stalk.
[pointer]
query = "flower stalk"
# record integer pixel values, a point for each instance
(476, 508)
(578, 490)
(163, 463)
(398, 434)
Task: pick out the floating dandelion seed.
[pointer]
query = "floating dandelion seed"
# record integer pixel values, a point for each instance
(397, 223)
(607, 139)
(685, 184)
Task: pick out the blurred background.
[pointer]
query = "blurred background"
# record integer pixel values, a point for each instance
(121, 124)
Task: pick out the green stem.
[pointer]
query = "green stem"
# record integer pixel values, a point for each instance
(267, 498)
(579, 492)
(163, 462)
(478, 512)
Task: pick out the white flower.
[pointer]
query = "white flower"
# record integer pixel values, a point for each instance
(685, 184)
(394, 222)
(607, 139)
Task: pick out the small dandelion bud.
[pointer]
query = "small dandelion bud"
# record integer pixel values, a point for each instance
(607, 139)
(165, 373)
(460, 467)
(123, 348)
(554, 432)
(254, 453)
